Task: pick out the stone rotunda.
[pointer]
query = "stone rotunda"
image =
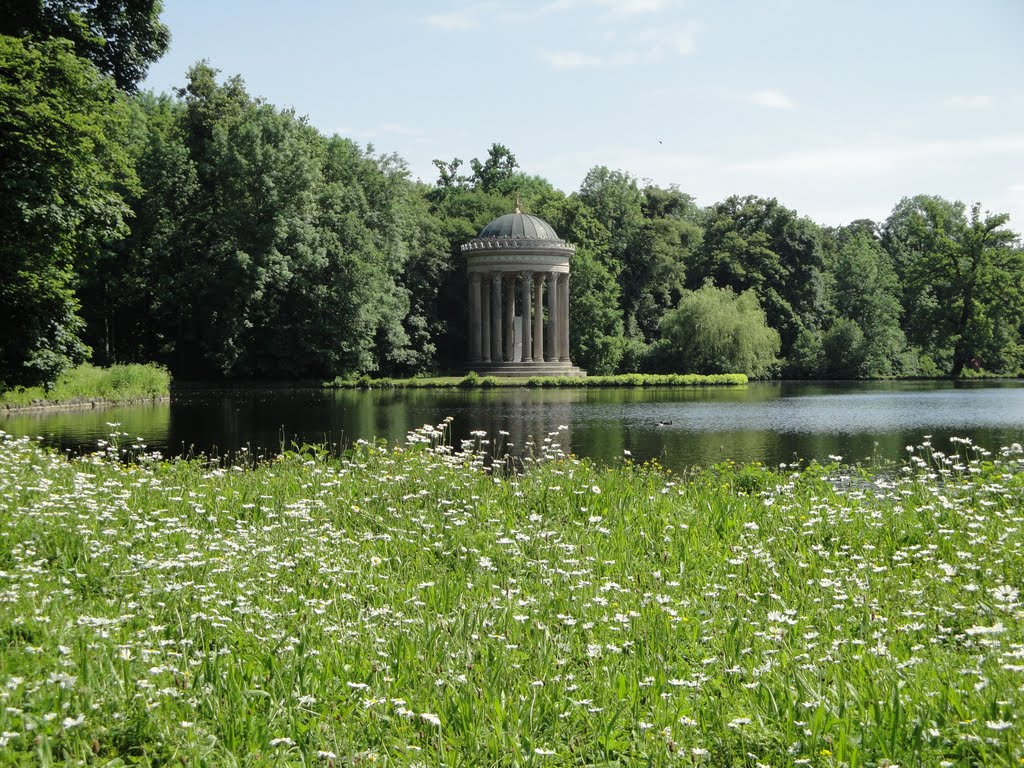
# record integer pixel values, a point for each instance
(516, 268)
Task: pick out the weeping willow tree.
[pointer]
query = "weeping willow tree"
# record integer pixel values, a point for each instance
(716, 330)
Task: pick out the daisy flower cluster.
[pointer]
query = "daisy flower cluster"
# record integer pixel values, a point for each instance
(426, 605)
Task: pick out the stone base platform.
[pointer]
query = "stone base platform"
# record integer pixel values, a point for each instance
(526, 370)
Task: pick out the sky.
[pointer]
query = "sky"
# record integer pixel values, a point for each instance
(836, 108)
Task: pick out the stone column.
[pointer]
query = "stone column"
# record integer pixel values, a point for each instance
(485, 317)
(551, 351)
(538, 318)
(510, 315)
(563, 306)
(474, 317)
(526, 296)
(496, 317)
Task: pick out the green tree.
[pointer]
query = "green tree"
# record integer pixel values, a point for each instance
(866, 292)
(654, 272)
(714, 330)
(461, 208)
(120, 287)
(651, 234)
(268, 250)
(595, 318)
(495, 173)
(844, 347)
(121, 37)
(62, 163)
(427, 267)
(962, 276)
(756, 243)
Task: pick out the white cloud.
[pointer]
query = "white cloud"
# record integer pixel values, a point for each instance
(462, 19)
(473, 15)
(978, 101)
(400, 130)
(454, 20)
(357, 133)
(664, 166)
(770, 98)
(677, 39)
(636, 7)
(613, 8)
(570, 60)
(684, 41)
(647, 46)
(832, 184)
(389, 130)
(851, 159)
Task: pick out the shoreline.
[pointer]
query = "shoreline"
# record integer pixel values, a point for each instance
(80, 404)
(622, 381)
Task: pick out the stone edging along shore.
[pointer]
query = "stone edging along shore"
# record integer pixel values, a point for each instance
(79, 404)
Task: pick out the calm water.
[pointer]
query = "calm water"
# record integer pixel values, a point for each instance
(769, 422)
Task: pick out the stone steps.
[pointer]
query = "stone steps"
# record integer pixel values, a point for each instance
(525, 370)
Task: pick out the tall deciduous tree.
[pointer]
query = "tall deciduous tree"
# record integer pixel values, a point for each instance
(651, 235)
(865, 293)
(962, 273)
(756, 243)
(595, 316)
(121, 37)
(495, 173)
(62, 163)
(270, 251)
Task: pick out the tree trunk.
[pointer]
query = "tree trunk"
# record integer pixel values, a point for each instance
(961, 349)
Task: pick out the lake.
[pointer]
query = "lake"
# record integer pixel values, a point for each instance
(771, 422)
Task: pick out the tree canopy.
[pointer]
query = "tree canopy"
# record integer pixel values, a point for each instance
(227, 238)
(62, 169)
(121, 37)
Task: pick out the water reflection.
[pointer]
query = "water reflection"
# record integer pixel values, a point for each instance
(768, 422)
(79, 430)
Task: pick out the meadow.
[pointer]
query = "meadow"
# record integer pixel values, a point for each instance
(422, 605)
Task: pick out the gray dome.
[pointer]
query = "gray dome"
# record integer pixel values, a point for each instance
(520, 226)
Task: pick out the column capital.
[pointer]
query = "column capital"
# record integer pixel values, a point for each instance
(475, 277)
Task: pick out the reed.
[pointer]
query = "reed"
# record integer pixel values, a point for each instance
(87, 383)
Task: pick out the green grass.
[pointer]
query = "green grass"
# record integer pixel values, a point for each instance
(87, 382)
(409, 606)
(474, 380)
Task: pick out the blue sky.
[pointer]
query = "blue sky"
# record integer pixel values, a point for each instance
(836, 108)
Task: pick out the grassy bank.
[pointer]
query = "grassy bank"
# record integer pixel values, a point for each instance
(473, 379)
(87, 383)
(406, 607)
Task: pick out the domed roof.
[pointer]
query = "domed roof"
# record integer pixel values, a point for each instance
(520, 226)
(518, 232)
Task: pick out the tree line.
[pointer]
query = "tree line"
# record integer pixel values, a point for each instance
(226, 238)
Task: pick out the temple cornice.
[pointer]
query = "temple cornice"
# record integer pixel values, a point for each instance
(487, 244)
